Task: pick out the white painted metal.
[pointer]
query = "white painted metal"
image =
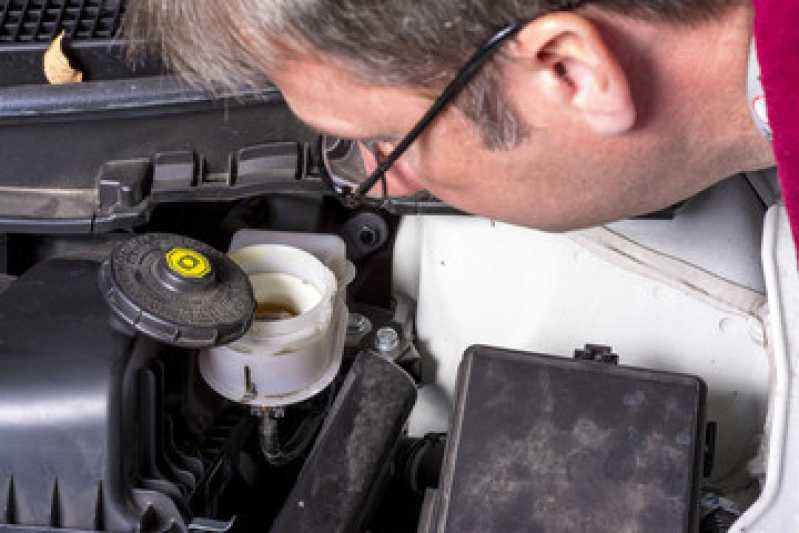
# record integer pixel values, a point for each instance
(481, 282)
(775, 511)
(719, 231)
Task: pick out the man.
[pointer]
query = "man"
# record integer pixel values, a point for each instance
(588, 111)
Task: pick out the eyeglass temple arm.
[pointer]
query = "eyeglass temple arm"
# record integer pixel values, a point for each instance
(452, 90)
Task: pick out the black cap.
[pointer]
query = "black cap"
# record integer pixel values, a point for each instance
(178, 291)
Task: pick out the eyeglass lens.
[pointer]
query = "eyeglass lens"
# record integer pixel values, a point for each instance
(344, 161)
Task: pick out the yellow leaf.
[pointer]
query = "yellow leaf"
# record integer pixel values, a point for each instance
(57, 68)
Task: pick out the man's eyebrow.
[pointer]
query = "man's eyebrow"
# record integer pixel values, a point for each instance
(379, 139)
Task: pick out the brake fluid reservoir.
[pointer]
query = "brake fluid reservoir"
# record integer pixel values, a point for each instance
(293, 349)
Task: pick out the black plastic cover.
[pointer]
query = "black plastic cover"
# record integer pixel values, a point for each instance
(178, 291)
(340, 482)
(100, 431)
(42, 20)
(544, 444)
(89, 26)
(56, 144)
(61, 460)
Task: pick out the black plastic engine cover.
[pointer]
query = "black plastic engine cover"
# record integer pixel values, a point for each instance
(61, 371)
(86, 443)
(544, 444)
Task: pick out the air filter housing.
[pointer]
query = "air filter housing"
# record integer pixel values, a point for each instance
(549, 444)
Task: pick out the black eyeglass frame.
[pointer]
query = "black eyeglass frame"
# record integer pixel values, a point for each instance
(355, 197)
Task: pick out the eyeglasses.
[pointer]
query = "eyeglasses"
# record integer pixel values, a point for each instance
(343, 166)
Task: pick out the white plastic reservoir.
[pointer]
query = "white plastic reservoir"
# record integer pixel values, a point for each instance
(294, 347)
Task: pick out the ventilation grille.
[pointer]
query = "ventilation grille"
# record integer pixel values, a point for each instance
(26, 21)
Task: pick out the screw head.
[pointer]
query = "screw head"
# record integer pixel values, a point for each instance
(387, 339)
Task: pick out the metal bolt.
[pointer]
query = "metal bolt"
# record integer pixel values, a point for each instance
(258, 411)
(387, 339)
(358, 324)
(368, 235)
(277, 413)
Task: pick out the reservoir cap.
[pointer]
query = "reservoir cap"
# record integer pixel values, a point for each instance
(178, 291)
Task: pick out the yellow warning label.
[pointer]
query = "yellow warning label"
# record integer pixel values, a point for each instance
(188, 263)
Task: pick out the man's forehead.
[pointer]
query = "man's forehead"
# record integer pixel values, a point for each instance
(334, 100)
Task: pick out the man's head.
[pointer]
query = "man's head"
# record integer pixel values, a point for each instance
(581, 118)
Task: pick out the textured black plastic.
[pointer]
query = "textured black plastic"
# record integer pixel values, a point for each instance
(63, 370)
(340, 482)
(90, 26)
(544, 444)
(79, 127)
(56, 141)
(42, 20)
(187, 317)
(101, 431)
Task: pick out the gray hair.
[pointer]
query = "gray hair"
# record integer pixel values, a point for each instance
(413, 43)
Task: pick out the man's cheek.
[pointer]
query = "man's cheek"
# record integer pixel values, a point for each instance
(445, 174)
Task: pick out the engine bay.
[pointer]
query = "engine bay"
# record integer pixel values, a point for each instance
(196, 334)
(115, 422)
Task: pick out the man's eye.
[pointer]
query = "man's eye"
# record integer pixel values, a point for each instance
(344, 161)
(380, 139)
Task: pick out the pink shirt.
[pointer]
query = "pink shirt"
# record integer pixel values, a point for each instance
(777, 39)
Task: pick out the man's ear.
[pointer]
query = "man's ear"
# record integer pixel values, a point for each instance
(573, 66)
